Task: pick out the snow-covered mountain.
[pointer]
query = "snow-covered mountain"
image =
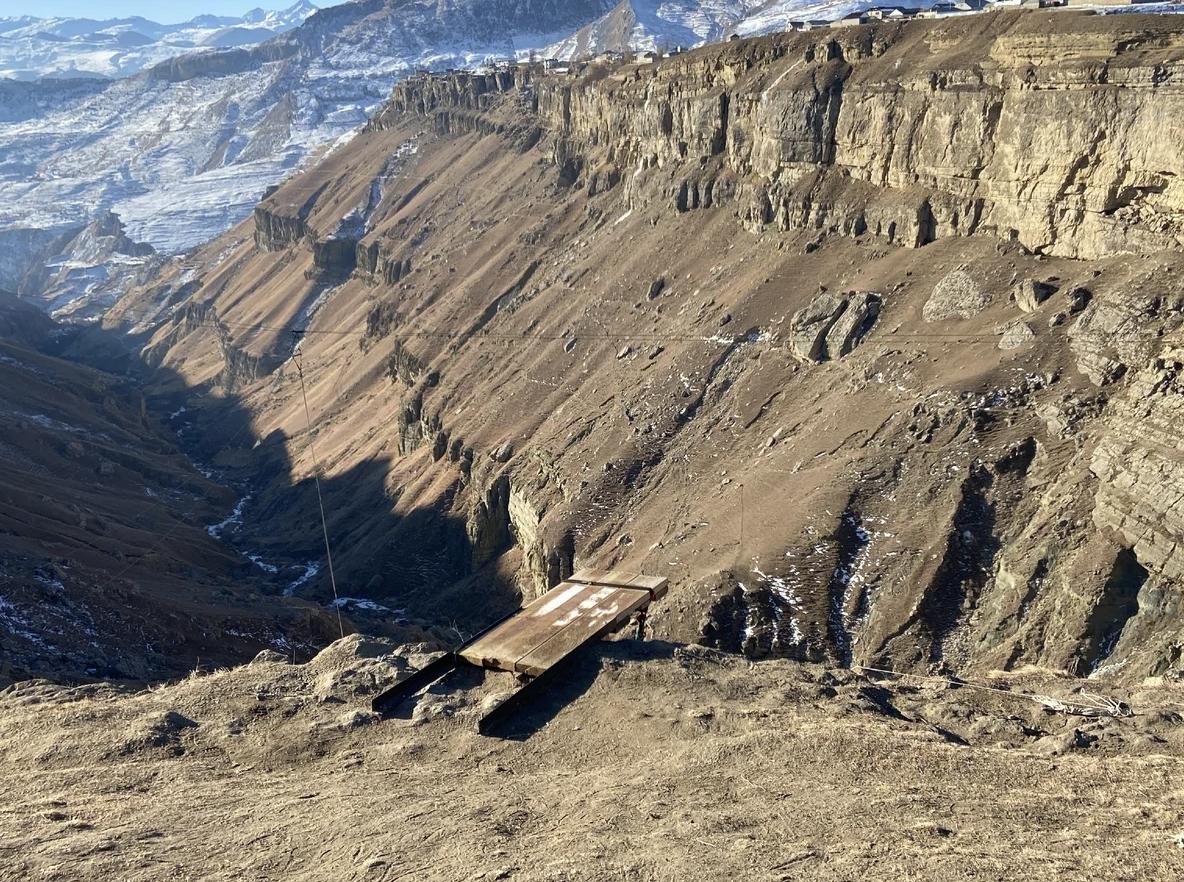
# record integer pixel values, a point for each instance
(184, 149)
(85, 47)
(665, 24)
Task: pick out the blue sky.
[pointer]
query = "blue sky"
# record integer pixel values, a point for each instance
(166, 13)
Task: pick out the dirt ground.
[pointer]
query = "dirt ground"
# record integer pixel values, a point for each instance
(647, 762)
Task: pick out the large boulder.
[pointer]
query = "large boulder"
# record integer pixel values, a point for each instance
(1016, 335)
(832, 324)
(957, 296)
(862, 309)
(1029, 294)
(810, 325)
(356, 667)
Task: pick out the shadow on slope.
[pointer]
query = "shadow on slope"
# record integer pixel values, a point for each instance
(127, 532)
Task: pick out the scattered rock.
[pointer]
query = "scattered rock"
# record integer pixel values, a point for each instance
(502, 453)
(488, 704)
(1079, 299)
(355, 719)
(1015, 335)
(269, 657)
(1055, 420)
(431, 707)
(657, 286)
(932, 828)
(569, 345)
(1062, 743)
(171, 721)
(159, 731)
(1164, 718)
(625, 352)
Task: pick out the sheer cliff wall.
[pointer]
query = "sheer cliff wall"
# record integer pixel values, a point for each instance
(1059, 131)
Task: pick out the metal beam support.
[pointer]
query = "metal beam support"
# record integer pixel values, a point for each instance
(515, 701)
(386, 702)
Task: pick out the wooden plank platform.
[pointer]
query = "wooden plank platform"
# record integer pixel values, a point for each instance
(574, 612)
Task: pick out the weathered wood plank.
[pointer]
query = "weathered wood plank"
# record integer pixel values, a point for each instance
(502, 646)
(621, 578)
(657, 585)
(600, 613)
(567, 616)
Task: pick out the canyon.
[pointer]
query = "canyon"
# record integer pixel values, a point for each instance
(871, 340)
(839, 330)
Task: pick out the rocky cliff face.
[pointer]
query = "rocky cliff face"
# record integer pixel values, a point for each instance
(1139, 465)
(1060, 141)
(846, 333)
(274, 231)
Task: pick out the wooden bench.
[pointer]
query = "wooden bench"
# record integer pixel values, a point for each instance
(585, 607)
(532, 641)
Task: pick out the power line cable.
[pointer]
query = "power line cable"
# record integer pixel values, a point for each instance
(556, 337)
(316, 476)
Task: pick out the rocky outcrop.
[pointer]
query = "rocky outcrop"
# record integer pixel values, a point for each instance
(1140, 466)
(275, 231)
(457, 104)
(240, 367)
(488, 524)
(333, 258)
(379, 267)
(1113, 334)
(868, 132)
(832, 325)
(544, 563)
(425, 95)
(502, 514)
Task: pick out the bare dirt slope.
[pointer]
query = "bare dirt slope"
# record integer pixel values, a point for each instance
(650, 762)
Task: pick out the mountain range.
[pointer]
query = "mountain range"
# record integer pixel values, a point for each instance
(182, 150)
(33, 47)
